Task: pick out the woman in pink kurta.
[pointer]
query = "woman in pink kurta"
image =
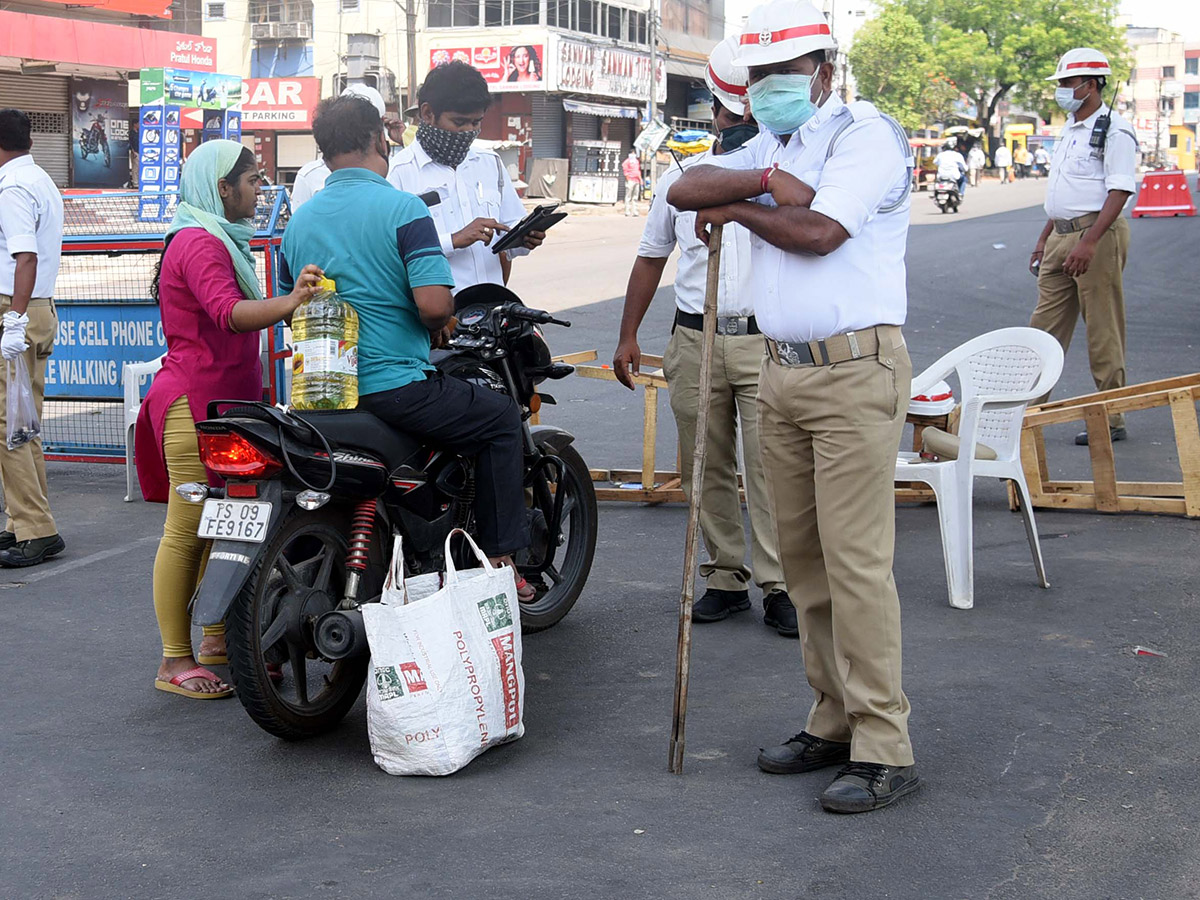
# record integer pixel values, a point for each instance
(212, 312)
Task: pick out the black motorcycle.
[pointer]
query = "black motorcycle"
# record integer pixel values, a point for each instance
(94, 140)
(302, 530)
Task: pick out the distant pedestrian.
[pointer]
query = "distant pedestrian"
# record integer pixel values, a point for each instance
(1041, 162)
(212, 312)
(1080, 256)
(975, 163)
(1004, 161)
(632, 170)
(31, 227)
(1022, 160)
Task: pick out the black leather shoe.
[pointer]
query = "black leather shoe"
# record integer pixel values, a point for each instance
(864, 786)
(31, 553)
(716, 605)
(1115, 433)
(778, 613)
(7, 539)
(803, 753)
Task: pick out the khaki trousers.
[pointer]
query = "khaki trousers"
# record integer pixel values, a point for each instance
(1098, 294)
(829, 438)
(23, 471)
(737, 360)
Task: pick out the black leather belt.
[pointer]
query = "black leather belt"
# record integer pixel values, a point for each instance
(725, 324)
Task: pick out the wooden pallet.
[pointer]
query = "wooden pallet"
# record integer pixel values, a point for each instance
(1104, 493)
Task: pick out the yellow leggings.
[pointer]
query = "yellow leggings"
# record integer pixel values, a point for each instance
(179, 565)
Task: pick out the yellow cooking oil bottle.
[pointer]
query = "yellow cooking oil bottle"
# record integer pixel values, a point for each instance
(325, 351)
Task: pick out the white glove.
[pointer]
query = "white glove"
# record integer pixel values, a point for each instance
(13, 343)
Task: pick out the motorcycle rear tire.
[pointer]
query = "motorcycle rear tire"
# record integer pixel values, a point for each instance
(548, 609)
(245, 626)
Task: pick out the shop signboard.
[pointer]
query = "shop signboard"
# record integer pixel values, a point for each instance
(280, 104)
(99, 133)
(160, 158)
(608, 72)
(505, 67)
(199, 90)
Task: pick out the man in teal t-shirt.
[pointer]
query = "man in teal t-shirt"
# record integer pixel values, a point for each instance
(381, 247)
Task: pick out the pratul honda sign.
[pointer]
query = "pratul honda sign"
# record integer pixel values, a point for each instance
(279, 104)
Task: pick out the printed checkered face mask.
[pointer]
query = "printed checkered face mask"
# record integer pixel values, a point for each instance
(446, 147)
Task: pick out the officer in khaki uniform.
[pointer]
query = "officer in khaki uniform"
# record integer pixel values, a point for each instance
(31, 226)
(825, 193)
(1081, 252)
(737, 359)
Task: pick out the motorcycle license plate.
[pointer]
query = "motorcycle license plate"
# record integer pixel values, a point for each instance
(235, 520)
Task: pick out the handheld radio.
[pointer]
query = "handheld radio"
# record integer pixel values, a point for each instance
(1100, 129)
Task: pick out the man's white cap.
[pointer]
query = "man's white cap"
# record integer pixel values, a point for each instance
(726, 81)
(782, 30)
(1081, 61)
(367, 93)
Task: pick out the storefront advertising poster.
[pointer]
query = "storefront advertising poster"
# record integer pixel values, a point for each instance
(159, 158)
(515, 67)
(199, 90)
(608, 72)
(99, 133)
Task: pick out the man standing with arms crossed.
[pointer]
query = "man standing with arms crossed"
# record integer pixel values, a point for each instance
(31, 227)
(737, 358)
(825, 192)
(1080, 254)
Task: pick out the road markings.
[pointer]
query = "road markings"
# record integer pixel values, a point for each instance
(78, 563)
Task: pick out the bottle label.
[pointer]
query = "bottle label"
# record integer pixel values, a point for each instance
(325, 356)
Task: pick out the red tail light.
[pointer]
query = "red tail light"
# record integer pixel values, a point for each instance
(232, 456)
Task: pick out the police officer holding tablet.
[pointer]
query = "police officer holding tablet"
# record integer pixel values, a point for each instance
(824, 192)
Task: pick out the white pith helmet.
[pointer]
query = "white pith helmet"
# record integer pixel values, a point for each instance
(782, 30)
(727, 81)
(367, 93)
(1081, 61)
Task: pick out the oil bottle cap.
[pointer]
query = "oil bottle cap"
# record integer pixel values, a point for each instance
(327, 284)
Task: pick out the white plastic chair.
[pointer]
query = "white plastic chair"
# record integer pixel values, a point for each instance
(999, 373)
(132, 377)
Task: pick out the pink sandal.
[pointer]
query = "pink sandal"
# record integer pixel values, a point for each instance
(175, 685)
(525, 591)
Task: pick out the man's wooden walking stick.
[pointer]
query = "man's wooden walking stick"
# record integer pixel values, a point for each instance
(683, 657)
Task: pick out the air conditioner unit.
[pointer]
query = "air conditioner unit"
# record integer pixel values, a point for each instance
(295, 31)
(264, 31)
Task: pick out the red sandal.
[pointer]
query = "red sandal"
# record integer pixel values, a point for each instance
(175, 685)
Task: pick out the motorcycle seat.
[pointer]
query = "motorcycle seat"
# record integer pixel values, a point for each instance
(353, 429)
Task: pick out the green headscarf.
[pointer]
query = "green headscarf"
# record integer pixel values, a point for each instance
(200, 206)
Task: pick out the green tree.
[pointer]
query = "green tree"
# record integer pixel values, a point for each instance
(893, 64)
(996, 49)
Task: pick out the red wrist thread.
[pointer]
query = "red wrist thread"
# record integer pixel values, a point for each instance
(766, 176)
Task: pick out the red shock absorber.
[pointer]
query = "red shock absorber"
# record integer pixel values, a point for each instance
(360, 536)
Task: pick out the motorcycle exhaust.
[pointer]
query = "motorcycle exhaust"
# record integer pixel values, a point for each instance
(341, 634)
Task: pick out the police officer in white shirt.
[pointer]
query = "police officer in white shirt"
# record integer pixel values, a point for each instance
(311, 177)
(475, 199)
(737, 359)
(825, 193)
(31, 228)
(1080, 255)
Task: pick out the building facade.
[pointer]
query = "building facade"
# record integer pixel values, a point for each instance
(1156, 98)
(70, 69)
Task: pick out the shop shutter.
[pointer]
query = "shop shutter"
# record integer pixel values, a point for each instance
(549, 127)
(585, 127)
(46, 99)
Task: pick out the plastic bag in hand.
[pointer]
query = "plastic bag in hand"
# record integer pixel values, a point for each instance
(23, 422)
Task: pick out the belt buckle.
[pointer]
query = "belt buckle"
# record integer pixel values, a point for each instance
(788, 355)
(731, 325)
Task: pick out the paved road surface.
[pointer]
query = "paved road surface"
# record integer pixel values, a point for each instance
(1057, 764)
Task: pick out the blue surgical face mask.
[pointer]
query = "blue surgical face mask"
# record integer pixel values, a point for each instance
(782, 103)
(1065, 97)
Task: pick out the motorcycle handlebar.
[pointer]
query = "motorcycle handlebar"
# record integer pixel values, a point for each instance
(535, 315)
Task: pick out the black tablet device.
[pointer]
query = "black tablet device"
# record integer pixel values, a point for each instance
(540, 219)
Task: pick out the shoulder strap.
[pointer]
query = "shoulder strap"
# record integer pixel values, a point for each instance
(861, 111)
(499, 175)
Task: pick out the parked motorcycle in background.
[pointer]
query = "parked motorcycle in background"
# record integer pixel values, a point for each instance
(303, 527)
